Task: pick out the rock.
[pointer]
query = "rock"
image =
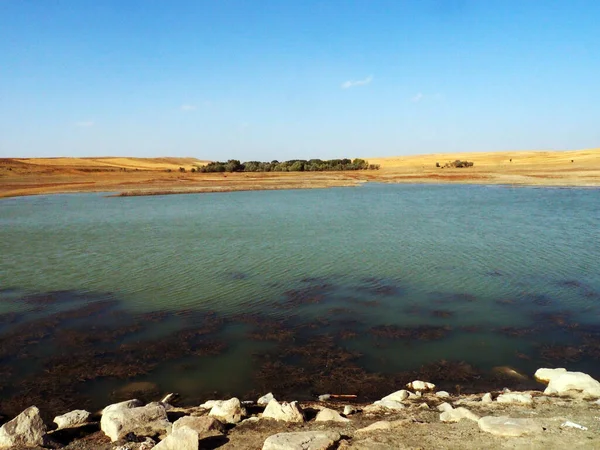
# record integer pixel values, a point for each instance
(420, 386)
(265, 399)
(122, 405)
(228, 411)
(377, 426)
(417, 395)
(302, 440)
(249, 420)
(506, 426)
(545, 375)
(442, 394)
(348, 409)
(445, 407)
(487, 398)
(515, 397)
(27, 430)
(147, 444)
(210, 403)
(287, 412)
(205, 426)
(456, 415)
(397, 396)
(329, 415)
(183, 439)
(324, 397)
(563, 382)
(390, 404)
(72, 419)
(142, 421)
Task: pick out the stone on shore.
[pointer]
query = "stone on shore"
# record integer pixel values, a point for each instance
(506, 426)
(329, 415)
(205, 426)
(418, 385)
(397, 396)
(443, 407)
(561, 381)
(286, 412)
(349, 409)
(515, 397)
(183, 438)
(302, 440)
(376, 426)
(122, 405)
(149, 420)
(265, 399)
(228, 411)
(26, 430)
(487, 398)
(456, 415)
(442, 394)
(72, 419)
(390, 404)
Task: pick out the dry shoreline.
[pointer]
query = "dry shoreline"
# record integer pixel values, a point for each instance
(162, 176)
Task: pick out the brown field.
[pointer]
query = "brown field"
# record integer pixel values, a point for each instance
(157, 176)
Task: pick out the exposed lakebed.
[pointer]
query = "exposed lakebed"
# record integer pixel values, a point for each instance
(301, 293)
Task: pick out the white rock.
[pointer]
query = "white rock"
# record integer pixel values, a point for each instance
(287, 412)
(445, 407)
(249, 420)
(545, 375)
(72, 419)
(142, 421)
(324, 397)
(348, 409)
(506, 426)
(569, 424)
(27, 430)
(390, 404)
(228, 411)
(562, 383)
(515, 397)
(423, 406)
(420, 386)
(397, 396)
(456, 415)
(182, 439)
(265, 399)
(487, 398)
(329, 415)
(128, 404)
(377, 426)
(442, 394)
(210, 403)
(205, 426)
(302, 440)
(417, 395)
(169, 398)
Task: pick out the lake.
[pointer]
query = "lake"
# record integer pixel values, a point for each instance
(299, 292)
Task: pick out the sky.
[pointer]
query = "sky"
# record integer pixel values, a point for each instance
(297, 79)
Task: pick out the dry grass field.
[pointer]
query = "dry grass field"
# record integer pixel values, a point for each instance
(156, 176)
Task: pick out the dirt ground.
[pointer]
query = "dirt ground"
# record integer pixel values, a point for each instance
(157, 176)
(421, 428)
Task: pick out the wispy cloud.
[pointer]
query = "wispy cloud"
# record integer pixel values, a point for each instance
(188, 107)
(353, 83)
(85, 124)
(417, 98)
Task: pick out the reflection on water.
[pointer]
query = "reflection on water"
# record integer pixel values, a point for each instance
(299, 292)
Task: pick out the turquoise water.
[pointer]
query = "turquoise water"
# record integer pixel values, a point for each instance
(318, 262)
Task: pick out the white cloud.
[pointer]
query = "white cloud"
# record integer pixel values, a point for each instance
(84, 124)
(417, 98)
(188, 107)
(350, 83)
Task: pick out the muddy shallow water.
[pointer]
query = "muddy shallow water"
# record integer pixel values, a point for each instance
(300, 292)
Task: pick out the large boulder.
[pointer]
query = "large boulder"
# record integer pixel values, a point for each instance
(149, 420)
(72, 419)
(561, 381)
(329, 415)
(205, 426)
(506, 426)
(183, 438)
(287, 412)
(25, 430)
(228, 411)
(302, 440)
(265, 399)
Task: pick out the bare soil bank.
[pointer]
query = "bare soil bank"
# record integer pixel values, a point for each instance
(159, 176)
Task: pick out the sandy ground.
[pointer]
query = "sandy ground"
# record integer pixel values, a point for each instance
(156, 176)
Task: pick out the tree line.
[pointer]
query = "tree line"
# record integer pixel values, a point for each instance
(293, 165)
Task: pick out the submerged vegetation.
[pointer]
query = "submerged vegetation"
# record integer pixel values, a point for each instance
(293, 165)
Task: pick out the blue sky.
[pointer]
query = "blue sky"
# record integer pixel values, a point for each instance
(290, 79)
